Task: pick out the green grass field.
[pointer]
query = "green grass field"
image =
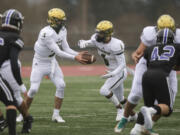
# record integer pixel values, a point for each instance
(86, 112)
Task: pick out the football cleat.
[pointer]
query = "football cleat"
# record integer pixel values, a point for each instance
(27, 124)
(147, 117)
(119, 114)
(133, 118)
(58, 119)
(137, 130)
(120, 126)
(3, 125)
(19, 118)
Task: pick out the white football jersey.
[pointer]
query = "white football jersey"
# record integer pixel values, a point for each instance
(112, 52)
(50, 43)
(148, 36)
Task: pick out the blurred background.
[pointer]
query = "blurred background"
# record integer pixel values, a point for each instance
(128, 16)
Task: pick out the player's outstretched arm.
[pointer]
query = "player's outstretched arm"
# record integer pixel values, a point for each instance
(85, 43)
(53, 47)
(136, 55)
(66, 48)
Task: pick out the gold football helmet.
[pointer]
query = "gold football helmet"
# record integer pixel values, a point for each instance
(104, 30)
(105, 27)
(56, 17)
(166, 21)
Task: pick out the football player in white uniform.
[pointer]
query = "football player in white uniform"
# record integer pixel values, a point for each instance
(51, 42)
(112, 51)
(148, 38)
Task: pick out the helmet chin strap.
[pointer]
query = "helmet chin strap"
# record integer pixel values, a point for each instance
(103, 39)
(58, 28)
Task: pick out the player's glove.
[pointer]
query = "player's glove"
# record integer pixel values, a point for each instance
(108, 75)
(23, 88)
(82, 43)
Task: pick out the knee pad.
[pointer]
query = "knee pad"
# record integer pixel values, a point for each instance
(17, 96)
(104, 92)
(133, 99)
(60, 90)
(33, 90)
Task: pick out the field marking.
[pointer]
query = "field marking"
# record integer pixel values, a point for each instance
(162, 129)
(69, 116)
(176, 110)
(165, 129)
(97, 90)
(80, 127)
(80, 116)
(47, 81)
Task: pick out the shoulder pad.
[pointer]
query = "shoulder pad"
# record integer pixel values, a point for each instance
(46, 32)
(93, 37)
(64, 31)
(19, 42)
(177, 36)
(148, 35)
(117, 47)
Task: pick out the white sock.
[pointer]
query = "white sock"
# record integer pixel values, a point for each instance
(138, 126)
(114, 100)
(56, 112)
(120, 110)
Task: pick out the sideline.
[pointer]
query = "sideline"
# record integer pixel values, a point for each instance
(75, 70)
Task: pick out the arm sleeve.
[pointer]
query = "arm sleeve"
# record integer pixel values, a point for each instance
(53, 47)
(14, 53)
(89, 43)
(121, 62)
(66, 48)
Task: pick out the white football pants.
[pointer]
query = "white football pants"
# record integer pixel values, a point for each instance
(115, 84)
(51, 68)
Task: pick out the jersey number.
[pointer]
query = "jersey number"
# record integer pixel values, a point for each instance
(166, 55)
(105, 60)
(1, 41)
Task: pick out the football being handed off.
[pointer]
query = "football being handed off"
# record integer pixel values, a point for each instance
(89, 57)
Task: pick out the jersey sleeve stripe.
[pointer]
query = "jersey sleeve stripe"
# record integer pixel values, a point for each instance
(120, 53)
(20, 43)
(103, 51)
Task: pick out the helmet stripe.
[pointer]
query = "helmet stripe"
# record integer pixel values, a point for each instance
(165, 36)
(8, 17)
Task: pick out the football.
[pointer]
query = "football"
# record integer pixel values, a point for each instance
(89, 57)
